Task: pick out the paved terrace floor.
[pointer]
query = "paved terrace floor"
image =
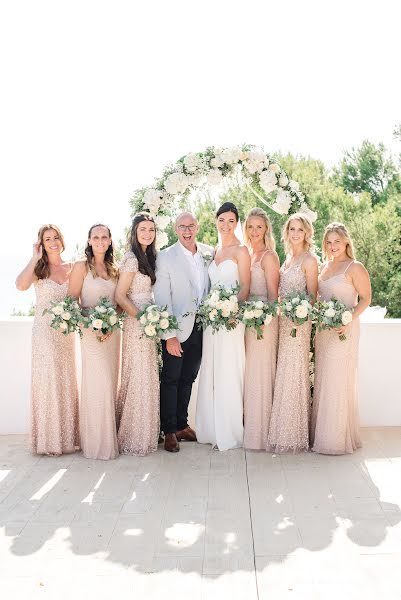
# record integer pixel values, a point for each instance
(202, 524)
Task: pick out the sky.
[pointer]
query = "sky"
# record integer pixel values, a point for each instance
(98, 96)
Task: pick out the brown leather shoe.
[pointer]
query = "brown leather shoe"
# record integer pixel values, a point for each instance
(170, 443)
(187, 434)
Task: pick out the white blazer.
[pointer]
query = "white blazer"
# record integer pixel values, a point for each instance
(176, 289)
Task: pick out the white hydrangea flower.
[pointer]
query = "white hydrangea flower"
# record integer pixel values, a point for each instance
(214, 177)
(346, 317)
(330, 312)
(251, 166)
(282, 203)
(249, 314)
(101, 309)
(295, 300)
(301, 311)
(305, 303)
(161, 239)
(176, 183)
(234, 299)
(217, 161)
(192, 163)
(162, 221)
(268, 181)
(259, 304)
(231, 155)
(294, 185)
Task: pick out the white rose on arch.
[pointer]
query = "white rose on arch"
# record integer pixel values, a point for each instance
(176, 183)
(162, 221)
(214, 177)
(268, 181)
(282, 203)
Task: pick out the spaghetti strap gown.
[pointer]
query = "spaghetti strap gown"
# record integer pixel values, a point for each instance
(100, 378)
(219, 407)
(54, 390)
(260, 371)
(139, 398)
(335, 420)
(289, 424)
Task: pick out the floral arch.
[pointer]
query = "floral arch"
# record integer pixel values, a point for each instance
(211, 168)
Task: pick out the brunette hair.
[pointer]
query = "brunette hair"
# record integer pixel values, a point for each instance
(228, 207)
(146, 259)
(309, 242)
(269, 240)
(342, 231)
(109, 258)
(42, 269)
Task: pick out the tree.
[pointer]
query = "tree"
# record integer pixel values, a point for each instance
(368, 169)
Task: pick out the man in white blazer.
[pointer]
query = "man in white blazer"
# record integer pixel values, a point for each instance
(182, 281)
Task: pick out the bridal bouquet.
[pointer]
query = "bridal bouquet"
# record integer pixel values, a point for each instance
(297, 307)
(256, 314)
(66, 316)
(332, 315)
(156, 320)
(219, 309)
(103, 318)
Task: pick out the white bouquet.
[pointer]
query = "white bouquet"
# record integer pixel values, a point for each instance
(297, 307)
(66, 316)
(220, 309)
(332, 315)
(103, 318)
(257, 314)
(156, 320)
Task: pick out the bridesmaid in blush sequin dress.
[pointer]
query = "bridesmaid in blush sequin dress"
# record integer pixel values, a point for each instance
(335, 422)
(289, 424)
(261, 355)
(90, 280)
(139, 399)
(54, 395)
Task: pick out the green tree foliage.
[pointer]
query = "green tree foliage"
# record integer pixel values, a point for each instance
(368, 169)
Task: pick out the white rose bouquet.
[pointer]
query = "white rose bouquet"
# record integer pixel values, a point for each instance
(297, 307)
(103, 318)
(66, 316)
(156, 320)
(220, 309)
(257, 314)
(332, 315)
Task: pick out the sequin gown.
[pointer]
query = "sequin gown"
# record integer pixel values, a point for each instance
(100, 379)
(54, 400)
(139, 398)
(260, 372)
(335, 421)
(289, 423)
(219, 406)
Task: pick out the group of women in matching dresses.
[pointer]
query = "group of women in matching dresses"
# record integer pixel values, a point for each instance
(118, 410)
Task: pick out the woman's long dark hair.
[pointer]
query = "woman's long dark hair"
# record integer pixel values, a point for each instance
(109, 258)
(147, 259)
(228, 207)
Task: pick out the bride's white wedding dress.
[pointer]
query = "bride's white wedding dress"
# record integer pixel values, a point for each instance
(219, 408)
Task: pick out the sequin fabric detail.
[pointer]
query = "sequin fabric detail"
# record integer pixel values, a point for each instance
(289, 424)
(335, 420)
(260, 372)
(139, 400)
(54, 392)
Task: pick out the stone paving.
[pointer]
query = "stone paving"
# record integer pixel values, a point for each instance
(202, 524)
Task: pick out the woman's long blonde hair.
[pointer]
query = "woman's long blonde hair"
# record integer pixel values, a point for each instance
(42, 269)
(270, 243)
(342, 231)
(309, 242)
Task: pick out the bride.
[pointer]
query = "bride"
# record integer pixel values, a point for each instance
(219, 411)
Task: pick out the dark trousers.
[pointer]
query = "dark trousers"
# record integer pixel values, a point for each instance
(177, 377)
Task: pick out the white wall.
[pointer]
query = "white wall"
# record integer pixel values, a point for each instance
(379, 374)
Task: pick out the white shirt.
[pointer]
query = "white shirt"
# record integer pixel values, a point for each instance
(197, 267)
